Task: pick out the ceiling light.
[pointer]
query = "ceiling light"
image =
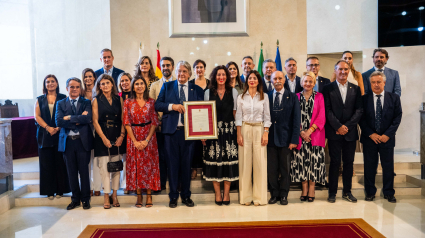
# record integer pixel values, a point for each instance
(404, 13)
(191, 53)
(337, 7)
(420, 28)
(193, 38)
(205, 41)
(229, 53)
(421, 8)
(197, 48)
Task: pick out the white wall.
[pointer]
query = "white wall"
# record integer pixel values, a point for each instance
(353, 27)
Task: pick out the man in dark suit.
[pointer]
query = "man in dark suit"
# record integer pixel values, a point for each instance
(269, 66)
(380, 58)
(73, 116)
(292, 82)
(107, 58)
(313, 65)
(380, 121)
(247, 65)
(283, 137)
(344, 109)
(179, 152)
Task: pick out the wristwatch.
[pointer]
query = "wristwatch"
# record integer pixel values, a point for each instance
(147, 140)
(266, 131)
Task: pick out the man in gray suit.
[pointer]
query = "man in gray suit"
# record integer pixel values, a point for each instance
(380, 58)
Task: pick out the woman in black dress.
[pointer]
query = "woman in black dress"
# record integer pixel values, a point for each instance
(200, 80)
(53, 174)
(108, 146)
(221, 155)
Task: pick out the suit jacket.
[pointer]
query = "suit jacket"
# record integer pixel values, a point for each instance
(338, 113)
(392, 84)
(285, 128)
(298, 87)
(115, 73)
(322, 82)
(391, 118)
(63, 108)
(44, 139)
(357, 76)
(265, 85)
(169, 94)
(318, 117)
(155, 89)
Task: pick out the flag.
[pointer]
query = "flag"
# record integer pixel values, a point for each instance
(141, 48)
(260, 62)
(277, 60)
(158, 72)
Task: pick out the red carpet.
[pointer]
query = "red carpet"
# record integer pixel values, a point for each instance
(346, 228)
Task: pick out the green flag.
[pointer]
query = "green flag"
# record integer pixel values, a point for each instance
(260, 62)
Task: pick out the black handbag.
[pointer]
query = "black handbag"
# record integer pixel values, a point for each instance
(115, 166)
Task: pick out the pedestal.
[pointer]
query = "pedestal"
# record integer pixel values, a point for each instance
(6, 156)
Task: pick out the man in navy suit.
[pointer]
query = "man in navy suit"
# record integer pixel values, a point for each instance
(73, 116)
(283, 137)
(380, 121)
(107, 58)
(313, 65)
(392, 85)
(247, 65)
(179, 152)
(269, 66)
(292, 82)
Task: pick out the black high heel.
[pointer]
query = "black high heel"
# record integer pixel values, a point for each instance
(311, 199)
(226, 203)
(139, 205)
(219, 203)
(303, 198)
(148, 205)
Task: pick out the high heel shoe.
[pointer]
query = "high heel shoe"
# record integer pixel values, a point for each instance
(311, 199)
(139, 205)
(148, 205)
(303, 198)
(226, 203)
(219, 203)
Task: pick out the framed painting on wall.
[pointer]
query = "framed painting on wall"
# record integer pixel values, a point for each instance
(200, 18)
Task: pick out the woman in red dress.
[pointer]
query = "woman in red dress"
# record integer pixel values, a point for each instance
(140, 120)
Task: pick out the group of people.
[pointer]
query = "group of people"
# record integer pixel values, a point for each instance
(272, 130)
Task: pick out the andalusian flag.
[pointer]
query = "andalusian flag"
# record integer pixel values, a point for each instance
(158, 72)
(260, 61)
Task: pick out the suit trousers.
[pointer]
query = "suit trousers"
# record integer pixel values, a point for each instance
(53, 175)
(94, 171)
(179, 155)
(347, 150)
(107, 177)
(77, 160)
(252, 166)
(371, 155)
(278, 161)
(162, 161)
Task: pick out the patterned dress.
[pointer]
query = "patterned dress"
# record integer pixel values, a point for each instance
(309, 162)
(142, 168)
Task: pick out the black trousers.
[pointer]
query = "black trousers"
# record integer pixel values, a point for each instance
(53, 174)
(77, 163)
(278, 161)
(371, 155)
(347, 150)
(163, 171)
(179, 155)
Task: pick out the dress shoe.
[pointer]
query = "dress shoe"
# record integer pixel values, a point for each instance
(331, 198)
(91, 193)
(96, 193)
(73, 205)
(51, 197)
(227, 203)
(219, 203)
(86, 205)
(273, 200)
(188, 202)
(59, 195)
(390, 198)
(173, 203)
(369, 198)
(349, 197)
(283, 201)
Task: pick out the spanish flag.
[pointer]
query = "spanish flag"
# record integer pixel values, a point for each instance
(158, 72)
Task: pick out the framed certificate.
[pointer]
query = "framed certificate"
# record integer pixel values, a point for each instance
(200, 120)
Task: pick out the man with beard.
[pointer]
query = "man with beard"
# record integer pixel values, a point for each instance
(292, 82)
(247, 65)
(392, 84)
(269, 66)
(167, 67)
(313, 65)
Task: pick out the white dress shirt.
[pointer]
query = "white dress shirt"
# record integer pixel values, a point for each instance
(71, 133)
(186, 93)
(375, 98)
(108, 72)
(376, 69)
(234, 94)
(253, 110)
(343, 90)
(268, 82)
(292, 84)
(282, 91)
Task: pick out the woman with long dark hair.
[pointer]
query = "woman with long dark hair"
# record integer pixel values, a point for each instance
(235, 78)
(53, 174)
(144, 69)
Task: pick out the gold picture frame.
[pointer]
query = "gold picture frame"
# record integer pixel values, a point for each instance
(204, 129)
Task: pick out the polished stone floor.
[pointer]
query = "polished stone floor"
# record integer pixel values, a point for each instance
(403, 219)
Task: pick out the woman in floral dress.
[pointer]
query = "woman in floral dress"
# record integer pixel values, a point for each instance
(140, 120)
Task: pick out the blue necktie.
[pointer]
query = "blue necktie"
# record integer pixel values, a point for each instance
(276, 103)
(316, 86)
(378, 116)
(381, 70)
(270, 86)
(74, 111)
(182, 99)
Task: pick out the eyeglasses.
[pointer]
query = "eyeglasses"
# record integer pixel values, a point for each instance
(313, 65)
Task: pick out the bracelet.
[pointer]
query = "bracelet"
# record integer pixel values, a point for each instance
(147, 140)
(266, 131)
(312, 128)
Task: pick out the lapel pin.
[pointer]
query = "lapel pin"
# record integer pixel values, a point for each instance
(191, 89)
(287, 97)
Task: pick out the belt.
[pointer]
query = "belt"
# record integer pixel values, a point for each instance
(74, 137)
(253, 124)
(142, 124)
(180, 128)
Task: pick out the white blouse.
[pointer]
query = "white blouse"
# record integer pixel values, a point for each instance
(252, 110)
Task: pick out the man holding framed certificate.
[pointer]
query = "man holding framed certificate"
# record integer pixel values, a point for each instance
(179, 152)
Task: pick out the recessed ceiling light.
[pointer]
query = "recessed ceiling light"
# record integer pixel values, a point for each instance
(421, 8)
(205, 41)
(337, 7)
(404, 13)
(215, 64)
(420, 28)
(191, 53)
(197, 48)
(364, 56)
(229, 53)
(193, 38)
